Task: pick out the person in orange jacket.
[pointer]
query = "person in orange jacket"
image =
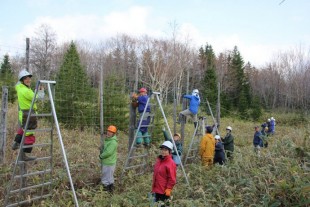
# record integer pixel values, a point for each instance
(207, 148)
(164, 177)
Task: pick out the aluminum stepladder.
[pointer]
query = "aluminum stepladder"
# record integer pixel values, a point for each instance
(137, 158)
(27, 186)
(129, 157)
(193, 148)
(192, 151)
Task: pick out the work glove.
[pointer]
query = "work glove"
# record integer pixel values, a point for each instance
(168, 192)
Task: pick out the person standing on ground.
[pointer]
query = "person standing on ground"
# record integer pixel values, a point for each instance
(219, 156)
(257, 140)
(207, 148)
(108, 158)
(178, 144)
(164, 176)
(193, 107)
(228, 142)
(25, 96)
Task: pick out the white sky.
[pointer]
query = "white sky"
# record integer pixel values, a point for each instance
(260, 28)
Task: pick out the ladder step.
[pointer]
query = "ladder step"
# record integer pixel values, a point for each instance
(134, 166)
(40, 130)
(33, 173)
(138, 156)
(28, 200)
(38, 159)
(150, 125)
(41, 115)
(191, 157)
(36, 145)
(145, 135)
(31, 187)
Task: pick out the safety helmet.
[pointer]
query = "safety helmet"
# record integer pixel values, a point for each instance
(217, 137)
(266, 128)
(268, 120)
(272, 118)
(142, 90)
(229, 128)
(195, 91)
(23, 73)
(112, 129)
(167, 144)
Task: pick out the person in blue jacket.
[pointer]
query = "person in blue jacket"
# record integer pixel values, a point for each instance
(143, 135)
(271, 129)
(193, 106)
(257, 140)
(219, 156)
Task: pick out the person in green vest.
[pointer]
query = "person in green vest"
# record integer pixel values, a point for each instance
(25, 96)
(108, 158)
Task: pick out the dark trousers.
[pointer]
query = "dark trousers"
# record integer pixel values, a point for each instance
(162, 197)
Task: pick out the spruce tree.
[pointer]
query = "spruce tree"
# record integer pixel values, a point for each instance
(74, 98)
(207, 61)
(7, 78)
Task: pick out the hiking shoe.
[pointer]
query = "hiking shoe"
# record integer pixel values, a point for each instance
(29, 158)
(15, 146)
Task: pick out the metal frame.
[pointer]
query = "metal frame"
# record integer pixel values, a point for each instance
(20, 162)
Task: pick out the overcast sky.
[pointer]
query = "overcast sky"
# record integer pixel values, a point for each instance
(260, 28)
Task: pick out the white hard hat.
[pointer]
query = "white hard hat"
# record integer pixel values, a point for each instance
(23, 73)
(195, 91)
(217, 137)
(268, 120)
(272, 118)
(229, 127)
(167, 144)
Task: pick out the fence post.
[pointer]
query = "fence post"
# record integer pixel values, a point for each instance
(4, 109)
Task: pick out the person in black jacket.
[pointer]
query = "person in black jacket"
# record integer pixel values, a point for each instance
(219, 156)
(228, 142)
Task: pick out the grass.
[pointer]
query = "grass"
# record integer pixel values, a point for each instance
(279, 177)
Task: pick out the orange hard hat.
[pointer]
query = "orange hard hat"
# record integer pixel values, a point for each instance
(112, 129)
(142, 90)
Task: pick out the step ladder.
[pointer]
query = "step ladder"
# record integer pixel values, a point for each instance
(131, 156)
(32, 180)
(137, 160)
(193, 149)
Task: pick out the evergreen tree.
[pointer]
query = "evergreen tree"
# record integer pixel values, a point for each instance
(7, 78)
(240, 94)
(115, 107)
(207, 61)
(75, 99)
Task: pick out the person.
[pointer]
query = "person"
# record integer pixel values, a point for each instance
(108, 159)
(178, 144)
(25, 96)
(271, 129)
(164, 176)
(228, 142)
(257, 141)
(219, 156)
(193, 107)
(207, 148)
(264, 136)
(143, 135)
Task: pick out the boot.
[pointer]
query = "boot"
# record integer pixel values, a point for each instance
(27, 158)
(195, 124)
(111, 188)
(15, 146)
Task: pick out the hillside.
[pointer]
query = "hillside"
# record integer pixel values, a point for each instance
(279, 177)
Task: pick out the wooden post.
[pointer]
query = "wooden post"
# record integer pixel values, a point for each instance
(218, 105)
(27, 53)
(101, 106)
(4, 109)
(132, 112)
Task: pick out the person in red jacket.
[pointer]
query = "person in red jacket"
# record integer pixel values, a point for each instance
(164, 177)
